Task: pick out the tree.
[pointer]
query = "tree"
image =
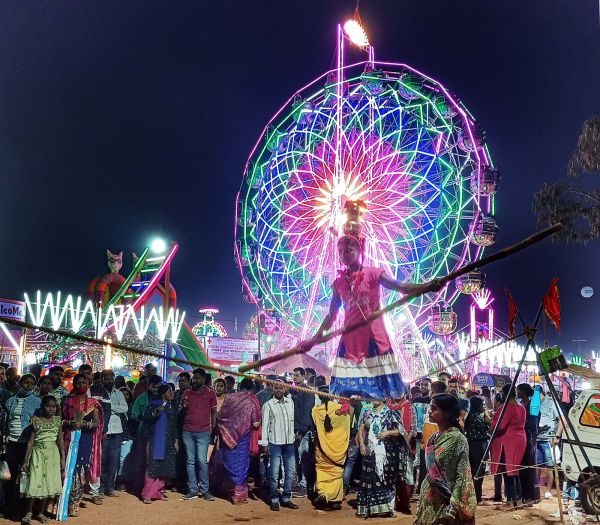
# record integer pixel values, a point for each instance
(576, 208)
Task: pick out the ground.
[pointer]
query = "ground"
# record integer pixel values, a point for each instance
(126, 509)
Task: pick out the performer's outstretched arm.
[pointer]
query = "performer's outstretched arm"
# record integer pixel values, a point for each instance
(408, 288)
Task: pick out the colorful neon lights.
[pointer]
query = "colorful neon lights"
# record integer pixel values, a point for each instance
(208, 326)
(482, 300)
(141, 299)
(16, 346)
(72, 314)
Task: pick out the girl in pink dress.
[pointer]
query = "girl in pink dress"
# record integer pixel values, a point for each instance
(365, 363)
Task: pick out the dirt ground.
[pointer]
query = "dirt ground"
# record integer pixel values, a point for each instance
(126, 509)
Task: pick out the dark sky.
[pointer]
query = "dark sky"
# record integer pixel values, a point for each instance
(120, 121)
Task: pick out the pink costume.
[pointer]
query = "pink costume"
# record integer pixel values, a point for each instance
(365, 363)
(509, 438)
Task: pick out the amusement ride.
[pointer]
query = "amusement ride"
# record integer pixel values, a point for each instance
(393, 138)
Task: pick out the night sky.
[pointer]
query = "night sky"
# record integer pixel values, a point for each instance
(121, 121)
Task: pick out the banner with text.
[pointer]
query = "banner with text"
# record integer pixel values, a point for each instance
(12, 309)
(230, 349)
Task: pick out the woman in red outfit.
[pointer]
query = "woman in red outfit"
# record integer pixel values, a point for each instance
(508, 444)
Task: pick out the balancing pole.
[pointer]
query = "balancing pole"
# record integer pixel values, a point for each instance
(305, 346)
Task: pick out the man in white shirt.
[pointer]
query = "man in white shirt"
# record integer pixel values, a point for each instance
(548, 427)
(277, 441)
(111, 444)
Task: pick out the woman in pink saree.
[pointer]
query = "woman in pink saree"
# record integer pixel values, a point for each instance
(238, 417)
(81, 412)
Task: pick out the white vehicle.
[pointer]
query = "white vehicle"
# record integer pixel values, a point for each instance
(585, 418)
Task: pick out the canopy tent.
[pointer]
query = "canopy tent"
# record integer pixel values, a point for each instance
(295, 361)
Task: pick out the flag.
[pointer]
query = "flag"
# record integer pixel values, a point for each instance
(512, 313)
(551, 303)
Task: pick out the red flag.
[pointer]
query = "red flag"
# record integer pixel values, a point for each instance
(551, 303)
(512, 313)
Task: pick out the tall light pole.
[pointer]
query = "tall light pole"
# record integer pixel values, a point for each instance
(159, 246)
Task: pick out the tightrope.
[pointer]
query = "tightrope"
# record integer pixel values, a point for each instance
(193, 364)
(520, 467)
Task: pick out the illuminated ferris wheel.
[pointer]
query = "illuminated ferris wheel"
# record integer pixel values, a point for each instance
(208, 327)
(383, 133)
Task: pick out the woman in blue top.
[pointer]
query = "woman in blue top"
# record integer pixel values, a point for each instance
(20, 408)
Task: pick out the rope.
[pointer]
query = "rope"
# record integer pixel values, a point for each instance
(193, 364)
(537, 466)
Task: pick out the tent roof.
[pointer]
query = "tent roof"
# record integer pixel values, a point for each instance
(295, 361)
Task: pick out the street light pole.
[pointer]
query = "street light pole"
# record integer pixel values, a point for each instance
(165, 361)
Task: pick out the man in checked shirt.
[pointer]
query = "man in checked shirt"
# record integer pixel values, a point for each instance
(277, 441)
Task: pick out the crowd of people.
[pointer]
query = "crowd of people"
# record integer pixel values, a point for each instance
(272, 440)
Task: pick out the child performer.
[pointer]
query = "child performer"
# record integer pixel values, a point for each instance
(365, 363)
(44, 459)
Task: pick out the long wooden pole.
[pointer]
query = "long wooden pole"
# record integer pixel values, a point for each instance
(558, 488)
(305, 346)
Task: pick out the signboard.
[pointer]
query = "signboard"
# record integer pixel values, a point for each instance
(12, 309)
(491, 380)
(10, 336)
(230, 349)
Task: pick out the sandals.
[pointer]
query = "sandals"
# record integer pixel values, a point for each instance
(73, 512)
(26, 520)
(41, 517)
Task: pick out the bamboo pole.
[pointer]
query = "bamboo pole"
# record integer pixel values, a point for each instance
(305, 346)
(558, 488)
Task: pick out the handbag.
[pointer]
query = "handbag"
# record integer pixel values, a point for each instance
(4, 471)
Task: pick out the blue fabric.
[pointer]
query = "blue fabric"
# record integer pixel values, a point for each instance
(421, 409)
(544, 454)
(126, 447)
(160, 430)
(350, 461)
(196, 448)
(86, 443)
(70, 466)
(281, 454)
(305, 464)
(111, 450)
(30, 405)
(378, 387)
(236, 461)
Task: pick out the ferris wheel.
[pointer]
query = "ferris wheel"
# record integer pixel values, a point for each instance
(388, 135)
